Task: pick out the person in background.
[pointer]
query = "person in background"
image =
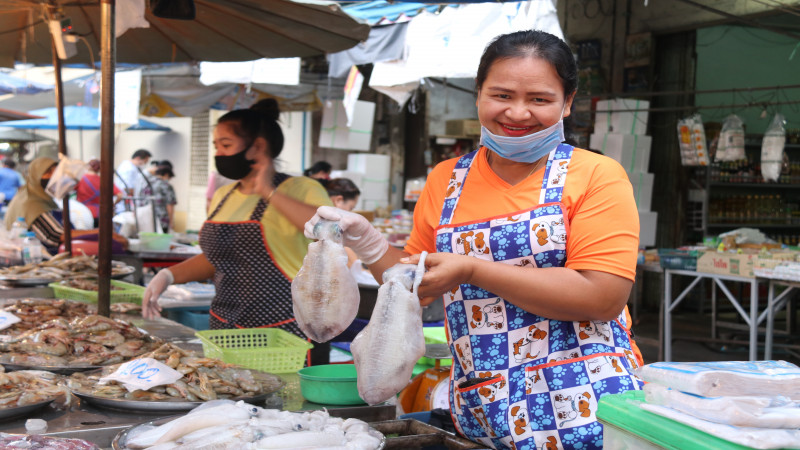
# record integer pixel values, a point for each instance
(252, 242)
(164, 199)
(41, 213)
(320, 171)
(343, 192)
(215, 181)
(131, 176)
(9, 180)
(532, 244)
(88, 190)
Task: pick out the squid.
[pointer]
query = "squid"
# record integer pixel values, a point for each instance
(325, 295)
(387, 349)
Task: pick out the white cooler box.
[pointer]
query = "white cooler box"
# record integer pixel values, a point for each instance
(632, 151)
(642, 189)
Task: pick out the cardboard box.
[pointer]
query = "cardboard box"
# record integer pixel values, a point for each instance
(463, 127)
(740, 264)
(632, 151)
(642, 189)
(647, 228)
(613, 116)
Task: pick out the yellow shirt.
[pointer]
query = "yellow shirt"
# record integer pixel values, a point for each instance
(286, 243)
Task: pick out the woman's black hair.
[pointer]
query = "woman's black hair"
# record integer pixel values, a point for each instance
(165, 170)
(319, 166)
(260, 120)
(344, 187)
(535, 44)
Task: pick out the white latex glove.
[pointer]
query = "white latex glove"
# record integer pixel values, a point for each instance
(358, 234)
(156, 287)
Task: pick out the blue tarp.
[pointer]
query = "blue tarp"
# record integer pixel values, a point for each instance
(373, 12)
(75, 118)
(15, 85)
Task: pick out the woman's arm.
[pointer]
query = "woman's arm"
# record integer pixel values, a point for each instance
(555, 292)
(171, 215)
(196, 268)
(297, 212)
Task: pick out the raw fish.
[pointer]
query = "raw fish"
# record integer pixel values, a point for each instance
(324, 293)
(386, 350)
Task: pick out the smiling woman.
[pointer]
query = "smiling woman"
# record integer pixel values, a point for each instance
(532, 244)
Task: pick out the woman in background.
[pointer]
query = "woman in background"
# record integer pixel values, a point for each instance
(344, 193)
(252, 241)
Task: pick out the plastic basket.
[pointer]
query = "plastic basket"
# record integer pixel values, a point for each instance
(676, 259)
(129, 293)
(266, 349)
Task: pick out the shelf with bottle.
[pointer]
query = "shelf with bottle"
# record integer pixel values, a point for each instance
(753, 210)
(748, 172)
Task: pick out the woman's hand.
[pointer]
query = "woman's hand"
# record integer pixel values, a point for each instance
(358, 234)
(444, 271)
(265, 173)
(156, 287)
(121, 239)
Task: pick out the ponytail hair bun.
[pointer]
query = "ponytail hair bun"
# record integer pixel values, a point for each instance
(267, 107)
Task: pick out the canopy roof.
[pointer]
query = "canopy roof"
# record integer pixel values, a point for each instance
(75, 118)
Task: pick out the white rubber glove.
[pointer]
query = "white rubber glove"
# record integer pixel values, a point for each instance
(156, 287)
(359, 235)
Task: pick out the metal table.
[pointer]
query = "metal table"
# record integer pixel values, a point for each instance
(773, 304)
(752, 318)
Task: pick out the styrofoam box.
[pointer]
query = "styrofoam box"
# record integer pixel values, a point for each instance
(609, 120)
(642, 189)
(370, 205)
(376, 167)
(374, 189)
(647, 228)
(632, 151)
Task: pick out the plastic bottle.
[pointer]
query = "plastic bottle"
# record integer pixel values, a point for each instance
(31, 249)
(18, 230)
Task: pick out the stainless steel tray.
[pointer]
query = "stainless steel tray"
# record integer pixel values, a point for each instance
(7, 413)
(177, 405)
(14, 280)
(119, 442)
(61, 370)
(155, 406)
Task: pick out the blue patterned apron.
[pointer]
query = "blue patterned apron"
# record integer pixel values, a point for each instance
(519, 380)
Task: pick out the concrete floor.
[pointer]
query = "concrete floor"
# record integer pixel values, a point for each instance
(691, 339)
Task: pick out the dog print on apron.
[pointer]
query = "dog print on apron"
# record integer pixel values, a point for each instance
(519, 380)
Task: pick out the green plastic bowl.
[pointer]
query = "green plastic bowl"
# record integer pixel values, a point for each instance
(330, 384)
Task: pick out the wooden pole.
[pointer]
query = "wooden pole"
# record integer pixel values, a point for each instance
(108, 59)
(62, 141)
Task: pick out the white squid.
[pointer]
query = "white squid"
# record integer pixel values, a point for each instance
(325, 295)
(386, 350)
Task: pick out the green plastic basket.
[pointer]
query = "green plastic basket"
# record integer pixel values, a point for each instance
(266, 349)
(129, 293)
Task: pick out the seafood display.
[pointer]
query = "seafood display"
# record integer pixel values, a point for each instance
(36, 311)
(90, 340)
(86, 284)
(203, 379)
(226, 424)
(126, 308)
(31, 387)
(324, 293)
(386, 350)
(44, 442)
(61, 266)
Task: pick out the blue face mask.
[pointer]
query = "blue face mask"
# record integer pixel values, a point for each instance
(525, 149)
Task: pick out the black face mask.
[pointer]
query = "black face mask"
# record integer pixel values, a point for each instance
(44, 182)
(235, 166)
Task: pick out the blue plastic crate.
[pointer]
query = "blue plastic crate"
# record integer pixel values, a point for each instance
(196, 318)
(676, 259)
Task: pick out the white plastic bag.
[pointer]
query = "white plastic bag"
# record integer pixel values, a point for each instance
(772, 148)
(730, 146)
(66, 176)
(692, 141)
(733, 378)
(763, 412)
